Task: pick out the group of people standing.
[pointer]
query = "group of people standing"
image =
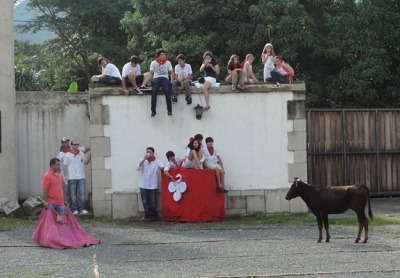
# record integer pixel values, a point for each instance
(64, 183)
(197, 156)
(163, 75)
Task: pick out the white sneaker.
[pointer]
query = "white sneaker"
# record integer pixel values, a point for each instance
(95, 78)
(76, 212)
(233, 87)
(276, 85)
(84, 211)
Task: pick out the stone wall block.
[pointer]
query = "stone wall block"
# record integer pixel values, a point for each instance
(296, 109)
(101, 178)
(100, 146)
(297, 141)
(102, 209)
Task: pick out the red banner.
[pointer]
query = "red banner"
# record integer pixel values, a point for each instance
(193, 198)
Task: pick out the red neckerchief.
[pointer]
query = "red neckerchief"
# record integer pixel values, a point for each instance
(75, 154)
(65, 150)
(210, 150)
(151, 159)
(161, 62)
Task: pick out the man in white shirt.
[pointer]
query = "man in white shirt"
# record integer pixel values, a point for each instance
(159, 69)
(183, 78)
(132, 76)
(110, 74)
(74, 173)
(150, 171)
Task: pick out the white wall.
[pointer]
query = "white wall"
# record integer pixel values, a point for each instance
(43, 118)
(249, 130)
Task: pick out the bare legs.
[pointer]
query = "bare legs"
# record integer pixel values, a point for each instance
(206, 87)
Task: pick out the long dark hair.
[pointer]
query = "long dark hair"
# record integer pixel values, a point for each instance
(191, 147)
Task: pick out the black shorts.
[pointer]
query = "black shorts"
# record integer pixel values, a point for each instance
(139, 80)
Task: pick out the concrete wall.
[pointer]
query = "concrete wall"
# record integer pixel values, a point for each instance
(260, 133)
(43, 118)
(8, 185)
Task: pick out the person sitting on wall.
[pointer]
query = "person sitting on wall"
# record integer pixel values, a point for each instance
(183, 78)
(132, 76)
(110, 74)
(213, 161)
(193, 155)
(172, 163)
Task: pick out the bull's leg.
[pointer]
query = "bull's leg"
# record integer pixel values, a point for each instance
(362, 223)
(319, 221)
(326, 225)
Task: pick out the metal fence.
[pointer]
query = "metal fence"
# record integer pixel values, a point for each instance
(350, 146)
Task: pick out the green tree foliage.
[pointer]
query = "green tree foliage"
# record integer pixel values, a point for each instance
(347, 51)
(83, 28)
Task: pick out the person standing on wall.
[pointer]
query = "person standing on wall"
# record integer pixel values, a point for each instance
(150, 171)
(74, 171)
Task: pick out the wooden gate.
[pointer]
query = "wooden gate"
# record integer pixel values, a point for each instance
(355, 146)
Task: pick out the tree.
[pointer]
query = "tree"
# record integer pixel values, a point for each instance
(83, 28)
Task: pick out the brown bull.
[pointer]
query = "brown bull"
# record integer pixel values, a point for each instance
(324, 200)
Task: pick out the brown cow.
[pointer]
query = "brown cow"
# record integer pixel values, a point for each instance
(324, 200)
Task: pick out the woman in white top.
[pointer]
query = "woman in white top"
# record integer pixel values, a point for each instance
(193, 155)
(248, 73)
(267, 58)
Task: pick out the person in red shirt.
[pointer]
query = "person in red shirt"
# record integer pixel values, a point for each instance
(52, 183)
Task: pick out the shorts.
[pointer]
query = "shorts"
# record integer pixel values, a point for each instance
(210, 79)
(139, 80)
(211, 164)
(189, 164)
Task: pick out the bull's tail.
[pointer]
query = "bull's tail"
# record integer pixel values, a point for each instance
(369, 203)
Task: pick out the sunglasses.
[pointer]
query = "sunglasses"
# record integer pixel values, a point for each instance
(75, 144)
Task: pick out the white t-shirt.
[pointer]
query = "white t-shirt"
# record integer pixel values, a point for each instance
(172, 165)
(208, 156)
(160, 70)
(246, 77)
(76, 165)
(61, 155)
(111, 70)
(128, 67)
(269, 63)
(183, 72)
(148, 174)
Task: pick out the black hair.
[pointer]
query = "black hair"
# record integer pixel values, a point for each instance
(209, 139)
(159, 51)
(151, 149)
(198, 137)
(190, 145)
(180, 56)
(53, 161)
(135, 59)
(101, 60)
(169, 154)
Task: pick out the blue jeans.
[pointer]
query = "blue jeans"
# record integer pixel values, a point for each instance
(149, 200)
(276, 76)
(110, 80)
(59, 209)
(164, 83)
(67, 194)
(77, 194)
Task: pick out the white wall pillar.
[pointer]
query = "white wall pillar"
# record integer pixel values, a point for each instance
(8, 185)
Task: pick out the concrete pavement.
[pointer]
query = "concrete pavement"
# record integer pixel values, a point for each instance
(142, 249)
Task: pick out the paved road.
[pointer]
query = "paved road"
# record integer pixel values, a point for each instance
(188, 250)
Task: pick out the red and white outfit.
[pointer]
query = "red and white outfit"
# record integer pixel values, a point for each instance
(210, 157)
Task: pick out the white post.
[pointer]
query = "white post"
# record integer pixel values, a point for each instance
(8, 183)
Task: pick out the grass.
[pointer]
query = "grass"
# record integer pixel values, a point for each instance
(232, 222)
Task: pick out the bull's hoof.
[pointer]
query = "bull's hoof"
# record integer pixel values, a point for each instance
(357, 240)
(327, 240)
(365, 240)
(319, 240)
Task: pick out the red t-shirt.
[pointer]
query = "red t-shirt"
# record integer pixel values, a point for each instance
(53, 182)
